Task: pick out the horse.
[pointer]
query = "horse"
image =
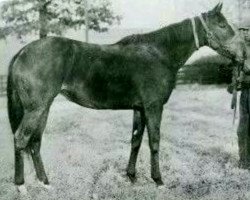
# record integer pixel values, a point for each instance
(137, 73)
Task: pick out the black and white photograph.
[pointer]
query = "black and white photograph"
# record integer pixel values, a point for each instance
(124, 100)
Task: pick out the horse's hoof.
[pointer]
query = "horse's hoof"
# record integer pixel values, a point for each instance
(244, 165)
(45, 186)
(160, 187)
(158, 182)
(131, 177)
(48, 187)
(22, 190)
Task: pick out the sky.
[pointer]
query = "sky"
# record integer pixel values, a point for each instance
(158, 13)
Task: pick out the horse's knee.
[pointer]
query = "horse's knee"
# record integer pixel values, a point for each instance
(154, 143)
(154, 148)
(21, 140)
(34, 148)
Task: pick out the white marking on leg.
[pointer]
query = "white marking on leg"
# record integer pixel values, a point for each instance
(45, 186)
(161, 187)
(22, 189)
(135, 132)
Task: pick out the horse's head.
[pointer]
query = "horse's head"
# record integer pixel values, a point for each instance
(221, 36)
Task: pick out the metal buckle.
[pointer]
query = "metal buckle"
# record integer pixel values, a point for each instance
(209, 35)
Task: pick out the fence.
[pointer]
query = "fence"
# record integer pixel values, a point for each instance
(3, 84)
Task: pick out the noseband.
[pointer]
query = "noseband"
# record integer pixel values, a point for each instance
(211, 38)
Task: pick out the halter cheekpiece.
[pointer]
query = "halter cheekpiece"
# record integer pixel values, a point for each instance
(210, 35)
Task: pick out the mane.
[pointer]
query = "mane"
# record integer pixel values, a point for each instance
(171, 34)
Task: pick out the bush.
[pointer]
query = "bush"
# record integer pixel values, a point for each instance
(209, 70)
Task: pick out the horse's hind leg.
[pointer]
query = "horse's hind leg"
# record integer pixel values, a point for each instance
(19, 167)
(22, 137)
(34, 147)
(28, 137)
(137, 134)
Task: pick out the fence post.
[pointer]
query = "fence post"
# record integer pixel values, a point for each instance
(3, 84)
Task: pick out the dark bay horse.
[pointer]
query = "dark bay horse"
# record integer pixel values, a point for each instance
(138, 73)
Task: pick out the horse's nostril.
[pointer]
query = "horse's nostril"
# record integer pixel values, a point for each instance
(240, 60)
(246, 70)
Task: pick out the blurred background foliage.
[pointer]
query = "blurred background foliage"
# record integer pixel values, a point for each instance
(207, 70)
(46, 17)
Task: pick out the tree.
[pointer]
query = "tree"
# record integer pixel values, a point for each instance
(243, 9)
(43, 17)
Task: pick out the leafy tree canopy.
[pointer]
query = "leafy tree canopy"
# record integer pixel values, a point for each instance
(22, 17)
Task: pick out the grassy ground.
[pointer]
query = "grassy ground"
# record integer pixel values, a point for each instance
(86, 152)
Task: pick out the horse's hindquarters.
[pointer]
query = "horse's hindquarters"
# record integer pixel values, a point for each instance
(36, 77)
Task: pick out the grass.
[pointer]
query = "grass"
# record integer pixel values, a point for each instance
(86, 152)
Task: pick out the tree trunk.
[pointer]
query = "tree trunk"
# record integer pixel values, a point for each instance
(43, 32)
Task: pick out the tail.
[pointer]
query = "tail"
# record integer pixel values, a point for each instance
(15, 108)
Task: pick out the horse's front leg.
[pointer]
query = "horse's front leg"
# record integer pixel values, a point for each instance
(153, 114)
(137, 134)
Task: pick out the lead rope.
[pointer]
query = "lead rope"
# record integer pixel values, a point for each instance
(235, 81)
(234, 104)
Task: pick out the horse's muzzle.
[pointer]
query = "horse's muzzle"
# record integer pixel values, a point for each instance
(240, 60)
(237, 49)
(246, 69)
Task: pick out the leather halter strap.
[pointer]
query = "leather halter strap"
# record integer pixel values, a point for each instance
(204, 25)
(196, 39)
(208, 32)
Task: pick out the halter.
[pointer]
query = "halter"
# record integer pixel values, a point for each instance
(210, 38)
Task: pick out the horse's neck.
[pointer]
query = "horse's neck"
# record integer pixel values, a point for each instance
(179, 43)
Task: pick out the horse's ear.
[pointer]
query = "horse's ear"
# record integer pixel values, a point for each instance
(217, 8)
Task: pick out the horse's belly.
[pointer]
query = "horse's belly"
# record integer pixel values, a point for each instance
(100, 99)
